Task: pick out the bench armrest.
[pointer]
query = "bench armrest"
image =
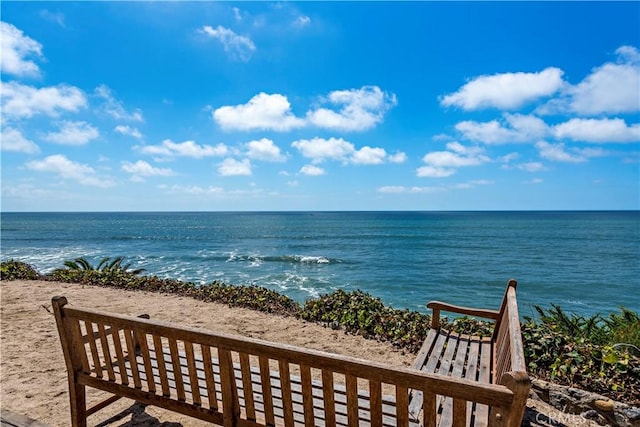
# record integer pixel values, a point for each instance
(438, 306)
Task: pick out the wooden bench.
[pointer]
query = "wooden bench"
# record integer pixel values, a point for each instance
(498, 359)
(236, 381)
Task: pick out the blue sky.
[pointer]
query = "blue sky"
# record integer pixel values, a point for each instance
(134, 106)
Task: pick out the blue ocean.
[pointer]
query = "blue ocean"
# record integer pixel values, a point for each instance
(587, 262)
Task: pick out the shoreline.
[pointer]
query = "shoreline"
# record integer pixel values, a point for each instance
(32, 368)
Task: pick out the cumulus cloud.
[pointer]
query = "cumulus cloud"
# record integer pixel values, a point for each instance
(513, 128)
(398, 157)
(609, 89)
(598, 130)
(312, 170)
(16, 48)
(558, 153)
(505, 91)
(129, 131)
(369, 156)
(23, 101)
(361, 109)
(440, 164)
(13, 140)
(192, 189)
(168, 148)
(301, 21)
(531, 167)
(233, 167)
(262, 112)
(265, 150)
(114, 107)
(67, 169)
(236, 46)
(400, 189)
(320, 149)
(141, 169)
(72, 133)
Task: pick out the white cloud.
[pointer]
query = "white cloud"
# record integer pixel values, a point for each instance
(598, 130)
(53, 17)
(128, 130)
(434, 172)
(141, 169)
(514, 128)
(263, 111)
(558, 153)
(233, 167)
(114, 108)
(369, 156)
(440, 164)
(531, 167)
(265, 150)
(609, 89)
(13, 140)
(319, 149)
(506, 91)
(301, 21)
(361, 109)
(399, 189)
(16, 48)
(22, 101)
(238, 47)
(73, 133)
(312, 170)
(398, 158)
(67, 169)
(192, 189)
(169, 148)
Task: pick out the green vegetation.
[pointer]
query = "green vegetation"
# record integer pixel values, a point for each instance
(597, 353)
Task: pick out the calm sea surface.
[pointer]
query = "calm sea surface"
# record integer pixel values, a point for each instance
(587, 262)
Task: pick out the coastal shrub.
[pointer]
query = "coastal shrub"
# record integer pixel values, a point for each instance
(17, 270)
(360, 313)
(585, 352)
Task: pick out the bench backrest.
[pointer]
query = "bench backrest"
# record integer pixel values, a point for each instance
(509, 366)
(99, 348)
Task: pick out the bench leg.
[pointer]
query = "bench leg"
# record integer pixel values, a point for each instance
(78, 401)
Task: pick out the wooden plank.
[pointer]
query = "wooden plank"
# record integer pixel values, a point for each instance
(106, 353)
(328, 397)
(162, 367)
(140, 341)
(402, 406)
(97, 365)
(193, 373)
(117, 343)
(307, 395)
(484, 376)
(287, 402)
(425, 349)
(375, 402)
(209, 377)
(265, 374)
(247, 386)
(430, 412)
(352, 400)
(230, 405)
(459, 413)
(177, 372)
(135, 374)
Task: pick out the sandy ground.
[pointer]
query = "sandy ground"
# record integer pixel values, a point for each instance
(32, 369)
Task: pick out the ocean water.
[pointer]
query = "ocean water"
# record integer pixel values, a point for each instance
(587, 262)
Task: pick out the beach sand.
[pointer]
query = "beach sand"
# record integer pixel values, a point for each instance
(32, 369)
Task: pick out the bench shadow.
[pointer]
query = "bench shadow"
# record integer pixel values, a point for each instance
(139, 418)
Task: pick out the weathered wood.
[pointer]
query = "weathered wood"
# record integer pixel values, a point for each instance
(210, 375)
